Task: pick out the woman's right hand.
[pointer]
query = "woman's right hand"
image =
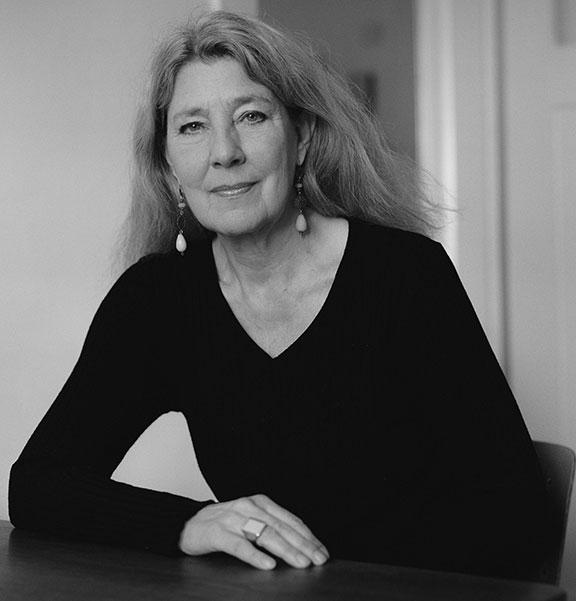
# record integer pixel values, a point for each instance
(218, 527)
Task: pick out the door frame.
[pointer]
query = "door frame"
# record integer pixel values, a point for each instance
(459, 142)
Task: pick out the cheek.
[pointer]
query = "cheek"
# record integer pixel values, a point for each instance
(189, 164)
(191, 174)
(277, 159)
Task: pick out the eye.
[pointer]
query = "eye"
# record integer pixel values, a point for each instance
(191, 127)
(253, 117)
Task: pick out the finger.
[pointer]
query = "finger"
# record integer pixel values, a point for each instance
(286, 516)
(309, 548)
(303, 546)
(241, 548)
(280, 513)
(278, 545)
(296, 543)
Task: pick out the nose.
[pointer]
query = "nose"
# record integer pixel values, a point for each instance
(226, 148)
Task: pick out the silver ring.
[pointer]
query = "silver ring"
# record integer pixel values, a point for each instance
(253, 529)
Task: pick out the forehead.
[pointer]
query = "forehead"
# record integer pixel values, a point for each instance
(223, 80)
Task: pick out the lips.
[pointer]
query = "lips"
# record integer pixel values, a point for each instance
(232, 189)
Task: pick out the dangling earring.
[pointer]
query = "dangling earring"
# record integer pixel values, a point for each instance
(180, 240)
(301, 223)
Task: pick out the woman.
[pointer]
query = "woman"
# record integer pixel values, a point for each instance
(327, 360)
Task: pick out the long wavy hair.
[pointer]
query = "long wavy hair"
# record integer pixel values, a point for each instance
(349, 171)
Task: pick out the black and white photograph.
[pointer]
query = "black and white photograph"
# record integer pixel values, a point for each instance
(287, 300)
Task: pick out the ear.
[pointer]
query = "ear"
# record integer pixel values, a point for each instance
(305, 126)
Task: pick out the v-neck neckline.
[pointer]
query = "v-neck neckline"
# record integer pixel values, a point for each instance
(224, 309)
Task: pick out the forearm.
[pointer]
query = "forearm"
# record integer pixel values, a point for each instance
(72, 502)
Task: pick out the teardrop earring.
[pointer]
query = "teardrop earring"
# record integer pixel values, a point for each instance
(301, 223)
(180, 240)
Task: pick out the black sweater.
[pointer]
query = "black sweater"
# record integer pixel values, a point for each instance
(388, 426)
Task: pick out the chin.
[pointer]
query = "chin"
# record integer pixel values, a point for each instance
(238, 224)
(235, 226)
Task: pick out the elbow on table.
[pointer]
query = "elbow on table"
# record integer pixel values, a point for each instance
(19, 495)
(31, 490)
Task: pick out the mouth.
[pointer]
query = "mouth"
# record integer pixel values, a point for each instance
(230, 190)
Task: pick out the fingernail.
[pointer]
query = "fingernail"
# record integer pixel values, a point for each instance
(269, 563)
(319, 558)
(302, 561)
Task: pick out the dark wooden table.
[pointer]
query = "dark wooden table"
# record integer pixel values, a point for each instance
(33, 566)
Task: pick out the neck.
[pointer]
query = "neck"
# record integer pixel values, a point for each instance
(273, 255)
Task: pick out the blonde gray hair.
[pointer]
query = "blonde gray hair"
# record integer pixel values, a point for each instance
(349, 171)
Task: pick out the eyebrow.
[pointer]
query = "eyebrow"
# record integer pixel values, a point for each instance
(234, 103)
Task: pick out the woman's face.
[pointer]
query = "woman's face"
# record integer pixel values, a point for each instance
(232, 147)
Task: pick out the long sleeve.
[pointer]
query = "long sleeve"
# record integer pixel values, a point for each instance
(466, 494)
(121, 383)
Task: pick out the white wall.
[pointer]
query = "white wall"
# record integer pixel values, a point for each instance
(70, 73)
(540, 173)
